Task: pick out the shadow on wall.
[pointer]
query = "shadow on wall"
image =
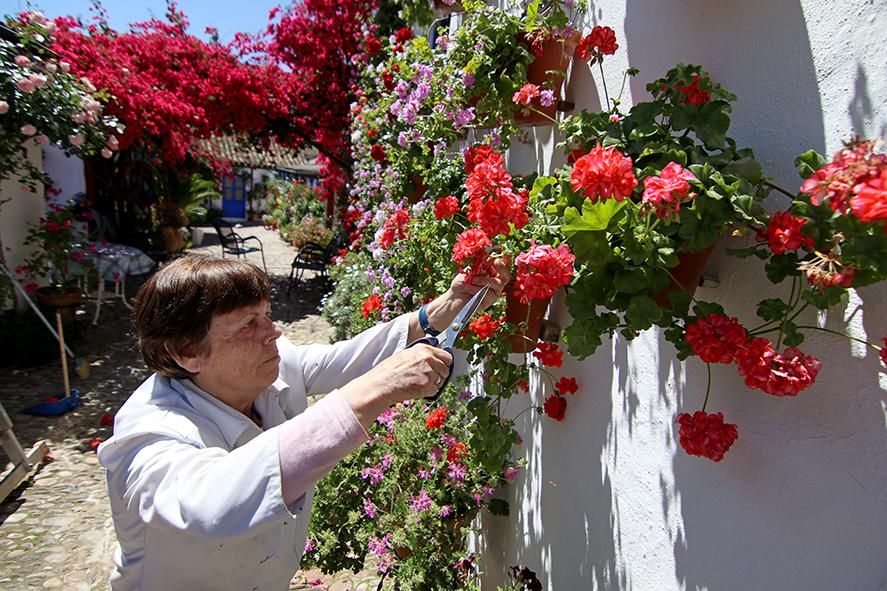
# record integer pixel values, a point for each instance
(759, 50)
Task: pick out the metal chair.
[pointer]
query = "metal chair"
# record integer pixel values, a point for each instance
(314, 257)
(234, 243)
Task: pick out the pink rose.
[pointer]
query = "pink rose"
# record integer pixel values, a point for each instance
(38, 80)
(25, 85)
(22, 60)
(65, 66)
(28, 130)
(113, 144)
(4, 107)
(76, 139)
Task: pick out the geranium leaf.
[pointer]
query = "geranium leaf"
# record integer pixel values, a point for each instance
(745, 168)
(772, 309)
(809, 162)
(540, 184)
(498, 507)
(781, 266)
(643, 312)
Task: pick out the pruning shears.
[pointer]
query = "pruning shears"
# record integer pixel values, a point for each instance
(447, 339)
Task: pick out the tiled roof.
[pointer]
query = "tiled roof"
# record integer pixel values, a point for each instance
(242, 153)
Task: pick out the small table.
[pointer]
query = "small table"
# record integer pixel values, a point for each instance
(115, 262)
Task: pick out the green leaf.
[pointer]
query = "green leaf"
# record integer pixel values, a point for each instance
(540, 184)
(582, 339)
(745, 168)
(791, 336)
(643, 312)
(532, 15)
(705, 308)
(742, 253)
(631, 280)
(809, 162)
(595, 216)
(831, 296)
(781, 266)
(772, 309)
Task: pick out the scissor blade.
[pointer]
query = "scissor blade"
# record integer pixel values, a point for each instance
(464, 316)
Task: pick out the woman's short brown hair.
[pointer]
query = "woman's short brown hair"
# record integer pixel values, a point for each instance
(174, 308)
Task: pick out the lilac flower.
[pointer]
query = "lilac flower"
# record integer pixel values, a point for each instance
(387, 418)
(511, 472)
(468, 80)
(387, 460)
(421, 93)
(402, 89)
(369, 508)
(546, 98)
(448, 440)
(372, 473)
(457, 472)
(371, 275)
(405, 292)
(439, 148)
(377, 291)
(403, 140)
(310, 545)
(424, 72)
(421, 502)
(379, 546)
(387, 279)
(435, 454)
(443, 42)
(384, 314)
(446, 511)
(463, 117)
(424, 473)
(465, 395)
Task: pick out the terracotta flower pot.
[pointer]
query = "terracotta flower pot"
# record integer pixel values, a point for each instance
(64, 301)
(686, 275)
(173, 239)
(531, 314)
(547, 70)
(419, 189)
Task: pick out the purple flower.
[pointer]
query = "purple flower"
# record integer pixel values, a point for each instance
(371, 275)
(443, 41)
(387, 280)
(457, 472)
(511, 472)
(369, 508)
(468, 80)
(448, 440)
(424, 473)
(446, 511)
(405, 292)
(379, 546)
(421, 502)
(387, 417)
(402, 140)
(465, 395)
(309, 545)
(372, 473)
(435, 454)
(387, 460)
(546, 98)
(463, 117)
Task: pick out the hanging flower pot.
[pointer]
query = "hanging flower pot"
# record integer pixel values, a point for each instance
(530, 315)
(419, 189)
(547, 70)
(686, 275)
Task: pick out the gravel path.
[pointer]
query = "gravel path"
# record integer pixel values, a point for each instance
(55, 528)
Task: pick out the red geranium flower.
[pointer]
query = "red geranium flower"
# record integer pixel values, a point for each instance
(603, 173)
(95, 443)
(549, 354)
(527, 93)
(484, 326)
(566, 386)
(784, 233)
(601, 41)
(715, 338)
(869, 204)
(395, 228)
(693, 95)
(403, 34)
(470, 245)
(373, 46)
(457, 451)
(524, 386)
(446, 207)
(706, 434)
(777, 374)
(372, 304)
(541, 270)
(436, 418)
(107, 420)
(477, 154)
(377, 153)
(555, 407)
(666, 192)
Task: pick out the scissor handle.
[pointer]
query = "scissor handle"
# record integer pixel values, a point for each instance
(432, 341)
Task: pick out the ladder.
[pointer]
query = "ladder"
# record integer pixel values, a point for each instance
(22, 463)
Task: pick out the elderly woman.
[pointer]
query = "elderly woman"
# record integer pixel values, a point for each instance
(213, 459)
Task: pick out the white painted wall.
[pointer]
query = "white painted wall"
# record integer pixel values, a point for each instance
(609, 500)
(22, 209)
(66, 172)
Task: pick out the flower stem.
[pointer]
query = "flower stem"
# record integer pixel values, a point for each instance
(522, 412)
(600, 63)
(782, 190)
(553, 121)
(708, 386)
(841, 334)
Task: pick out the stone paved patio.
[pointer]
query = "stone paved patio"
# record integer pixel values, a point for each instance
(55, 528)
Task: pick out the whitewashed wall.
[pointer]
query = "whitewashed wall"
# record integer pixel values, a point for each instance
(609, 500)
(20, 209)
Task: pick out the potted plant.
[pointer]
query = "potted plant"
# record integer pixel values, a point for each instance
(641, 191)
(407, 497)
(60, 255)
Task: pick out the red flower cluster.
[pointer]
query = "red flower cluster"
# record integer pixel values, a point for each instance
(856, 175)
(484, 326)
(706, 434)
(826, 269)
(555, 407)
(666, 192)
(603, 173)
(479, 153)
(541, 270)
(492, 202)
(715, 338)
(784, 233)
(446, 207)
(718, 339)
(373, 46)
(403, 34)
(693, 95)
(601, 41)
(457, 451)
(566, 386)
(436, 418)
(395, 228)
(372, 304)
(549, 354)
(526, 95)
(470, 250)
(778, 374)
(377, 153)
(106, 420)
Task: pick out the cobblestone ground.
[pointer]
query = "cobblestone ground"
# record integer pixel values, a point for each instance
(55, 528)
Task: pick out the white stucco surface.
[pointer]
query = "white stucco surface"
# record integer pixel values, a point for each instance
(609, 500)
